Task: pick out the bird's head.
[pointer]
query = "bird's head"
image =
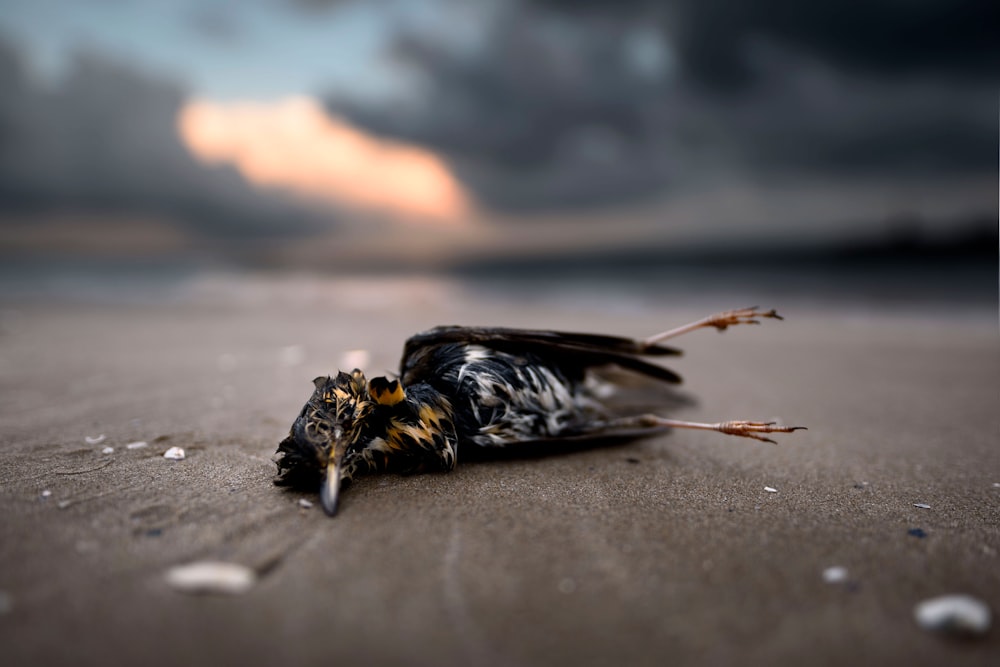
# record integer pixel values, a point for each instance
(326, 436)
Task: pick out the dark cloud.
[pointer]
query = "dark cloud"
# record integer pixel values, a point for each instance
(577, 103)
(714, 38)
(545, 111)
(104, 139)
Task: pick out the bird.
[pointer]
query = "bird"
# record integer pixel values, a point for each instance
(463, 390)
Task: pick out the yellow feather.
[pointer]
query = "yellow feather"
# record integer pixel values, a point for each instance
(390, 395)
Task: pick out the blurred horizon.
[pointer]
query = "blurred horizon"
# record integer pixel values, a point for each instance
(498, 138)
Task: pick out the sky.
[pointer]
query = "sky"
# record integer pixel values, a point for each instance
(257, 49)
(503, 124)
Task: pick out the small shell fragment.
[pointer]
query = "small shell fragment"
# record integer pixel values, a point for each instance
(923, 506)
(305, 504)
(108, 450)
(211, 577)
(138, 444)
(770, 489)
(96, 440)
(958, 615)
(835, 574)
(46, 493)
(174, 454)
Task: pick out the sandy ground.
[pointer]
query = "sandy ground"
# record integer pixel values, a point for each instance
(665, 551)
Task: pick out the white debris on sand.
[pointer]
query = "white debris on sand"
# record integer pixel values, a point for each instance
(211, 577)
(291, 355)
(567, 585)
(96, 440)
(138, 444)
(226, 362)
(46, 493)
(923, 506)
(305, 504)
(770, 489)
(174, 454)
(835, 574)
(108, 450)
(958, 615)
(352, 359)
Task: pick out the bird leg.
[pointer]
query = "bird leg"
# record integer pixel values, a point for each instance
(746, 429)
(720, 321)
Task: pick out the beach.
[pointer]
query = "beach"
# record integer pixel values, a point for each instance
(689, 548)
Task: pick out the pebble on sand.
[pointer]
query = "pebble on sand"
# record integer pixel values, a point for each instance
(957, 615)
(923, 506)
(108, 450)
(305, 504)
(835, 574)
(770, 489)
(211, 577)
(138, 444)
(174, 454)
(96, 440)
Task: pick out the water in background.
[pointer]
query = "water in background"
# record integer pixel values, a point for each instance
(959, 285)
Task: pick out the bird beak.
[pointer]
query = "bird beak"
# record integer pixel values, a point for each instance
(329, 492)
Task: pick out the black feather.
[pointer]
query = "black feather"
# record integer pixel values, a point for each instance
(572, 353)
(516, 386)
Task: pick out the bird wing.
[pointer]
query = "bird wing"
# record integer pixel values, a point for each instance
(571, 352)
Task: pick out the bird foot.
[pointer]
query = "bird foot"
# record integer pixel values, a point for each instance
(740, 316)
(742, 428)
(748, 429)
(720, 321)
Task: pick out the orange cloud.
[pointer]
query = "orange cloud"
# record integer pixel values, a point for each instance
(295, 145)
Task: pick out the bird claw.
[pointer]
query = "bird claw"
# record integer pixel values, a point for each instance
(724, 320)
(721, 321)
(749, 429)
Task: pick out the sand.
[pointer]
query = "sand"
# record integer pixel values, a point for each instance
(664, 551)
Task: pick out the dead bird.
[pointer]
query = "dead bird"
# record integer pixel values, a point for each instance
(482, 388)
